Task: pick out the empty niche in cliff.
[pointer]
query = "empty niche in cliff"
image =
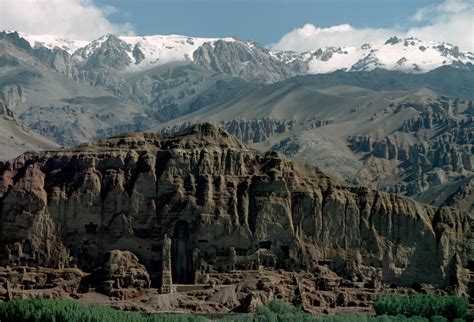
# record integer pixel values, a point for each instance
(155, 265)
(265, 244)
(91, 228)
(285, 249)
(27, 247)
(181, 255)
(241, 251)
(470, 265)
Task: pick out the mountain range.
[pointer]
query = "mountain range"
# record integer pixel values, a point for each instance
(395, 116)
(141, 53)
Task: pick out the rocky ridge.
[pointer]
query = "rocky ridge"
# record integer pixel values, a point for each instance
(407, 55)
(88, 96)
(248, 131)
(154, 79)
(457, 194)
(440, 152)
(404, 142)
(237, 57)
(201, 202)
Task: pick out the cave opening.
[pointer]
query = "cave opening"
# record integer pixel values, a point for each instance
(470, 265)
(182, 270)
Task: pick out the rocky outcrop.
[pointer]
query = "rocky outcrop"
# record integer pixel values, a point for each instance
(15, 138)
(80, 123)
(13, 95)
(179, 89)
(247, 60)
(257, 130)
(224, 207)
(435, 146)
(248, 131)
(5, 112)
(121, 270)
(22, 282)
(457, 194)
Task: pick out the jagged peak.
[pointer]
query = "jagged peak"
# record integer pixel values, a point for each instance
(15, 38)
(392, 40)
(139, 53)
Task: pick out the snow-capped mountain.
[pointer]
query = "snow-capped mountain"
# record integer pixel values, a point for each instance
(75, 91)
(140, 53)
(407, 55)
(52, 41)
(149, 51)
(143, 52)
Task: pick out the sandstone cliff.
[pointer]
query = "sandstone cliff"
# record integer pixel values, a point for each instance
(202, 193)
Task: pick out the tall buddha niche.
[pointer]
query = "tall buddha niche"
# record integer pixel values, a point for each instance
(181, 255)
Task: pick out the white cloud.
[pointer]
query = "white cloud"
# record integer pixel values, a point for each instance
(310, 37)
(441, 9)
(449, 21)
(76, 19)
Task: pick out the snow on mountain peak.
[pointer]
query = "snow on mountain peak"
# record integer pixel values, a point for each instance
(52, 41)
(144, 52)
(160, 49)
(407, 55)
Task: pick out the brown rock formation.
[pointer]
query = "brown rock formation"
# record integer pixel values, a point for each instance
(121, 270)
(249, 131)
(21, 282)
(225, 207)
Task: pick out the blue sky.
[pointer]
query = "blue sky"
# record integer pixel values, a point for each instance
(261, 20)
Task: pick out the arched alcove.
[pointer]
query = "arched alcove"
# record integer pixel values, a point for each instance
(182, 269)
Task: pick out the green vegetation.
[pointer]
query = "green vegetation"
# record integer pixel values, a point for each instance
(424, 305)
(276, 311)
(45, 310)
(416, 308)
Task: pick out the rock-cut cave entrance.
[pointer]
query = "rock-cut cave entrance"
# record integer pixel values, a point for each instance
(181, 255)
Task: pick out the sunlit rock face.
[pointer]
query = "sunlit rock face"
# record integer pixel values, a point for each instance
(200, 201)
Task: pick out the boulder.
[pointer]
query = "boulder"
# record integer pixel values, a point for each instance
(122, 270)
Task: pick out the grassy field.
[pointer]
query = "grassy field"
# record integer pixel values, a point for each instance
(388, 307)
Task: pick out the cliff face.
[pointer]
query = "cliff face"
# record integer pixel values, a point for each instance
(200, 201)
